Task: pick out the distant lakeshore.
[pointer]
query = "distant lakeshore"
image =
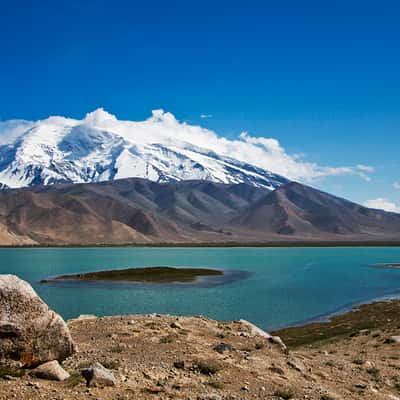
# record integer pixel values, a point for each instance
(376, 314)
(219, 244)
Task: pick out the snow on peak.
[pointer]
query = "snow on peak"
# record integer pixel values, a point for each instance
(161, 116)
(101, 147)
(99, 117)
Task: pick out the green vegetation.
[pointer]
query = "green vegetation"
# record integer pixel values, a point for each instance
(11, 371)
(145, 275)
(375, 373)
(75, 379)
(216, 384)
(168, 339)
(208, 367)
(367, 317)
(259, 345)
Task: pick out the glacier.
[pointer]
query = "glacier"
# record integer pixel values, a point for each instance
(100, 147)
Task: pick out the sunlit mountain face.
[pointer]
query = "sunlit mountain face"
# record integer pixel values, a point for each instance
(101, 148)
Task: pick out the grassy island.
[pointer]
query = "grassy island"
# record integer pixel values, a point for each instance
(141, 275)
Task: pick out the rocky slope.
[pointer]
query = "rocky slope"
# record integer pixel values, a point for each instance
(299, 209)
(141, 211)
(166, 357)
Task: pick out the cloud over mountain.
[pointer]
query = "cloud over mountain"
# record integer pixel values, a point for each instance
(382, 204)
(158, 148)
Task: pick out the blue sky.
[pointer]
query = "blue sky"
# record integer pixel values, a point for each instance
(321, 77)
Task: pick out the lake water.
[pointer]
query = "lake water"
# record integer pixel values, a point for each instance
(283, 286)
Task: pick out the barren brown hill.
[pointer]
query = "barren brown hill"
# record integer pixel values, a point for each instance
(296, 209)
(140, 211)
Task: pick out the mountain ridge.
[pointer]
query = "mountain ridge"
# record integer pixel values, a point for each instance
(137, 210)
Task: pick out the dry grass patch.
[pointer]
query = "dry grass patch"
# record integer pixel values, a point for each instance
(207, 367)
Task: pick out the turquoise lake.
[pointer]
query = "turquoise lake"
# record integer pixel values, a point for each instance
(284, 286)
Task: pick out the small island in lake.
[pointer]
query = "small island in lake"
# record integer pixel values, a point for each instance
(141, 275)
(387, 265)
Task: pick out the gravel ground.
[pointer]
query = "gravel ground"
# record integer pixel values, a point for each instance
(166, 357)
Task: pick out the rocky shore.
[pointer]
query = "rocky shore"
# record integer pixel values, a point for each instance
(169, 357)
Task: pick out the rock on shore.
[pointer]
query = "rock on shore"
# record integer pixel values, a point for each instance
(30, 332)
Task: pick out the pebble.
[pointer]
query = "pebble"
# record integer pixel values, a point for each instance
(33, 384)
(9, 378)
(277, 370)
(360, 386)
(330, 396)
(176, 325)
(179, 364)
(211, 396)
(297, 365)
(222, 347)
(393, 340)
(368, 364)
(52, 371)
(278, 341)
(97, 375)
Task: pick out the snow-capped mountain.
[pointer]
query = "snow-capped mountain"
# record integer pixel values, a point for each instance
(100, 148)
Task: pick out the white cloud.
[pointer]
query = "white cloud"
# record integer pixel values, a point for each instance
(205, 116)
(382, 204)
(12, 129)
(163, 128)
(396, 185)
(365, 168)
(268, 153)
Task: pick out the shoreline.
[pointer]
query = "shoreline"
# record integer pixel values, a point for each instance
(283, 244)
(340, 311)
(381, 313)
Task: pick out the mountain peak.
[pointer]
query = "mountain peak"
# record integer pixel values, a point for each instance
(163, 116)
(100, 147)
(99, 117)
